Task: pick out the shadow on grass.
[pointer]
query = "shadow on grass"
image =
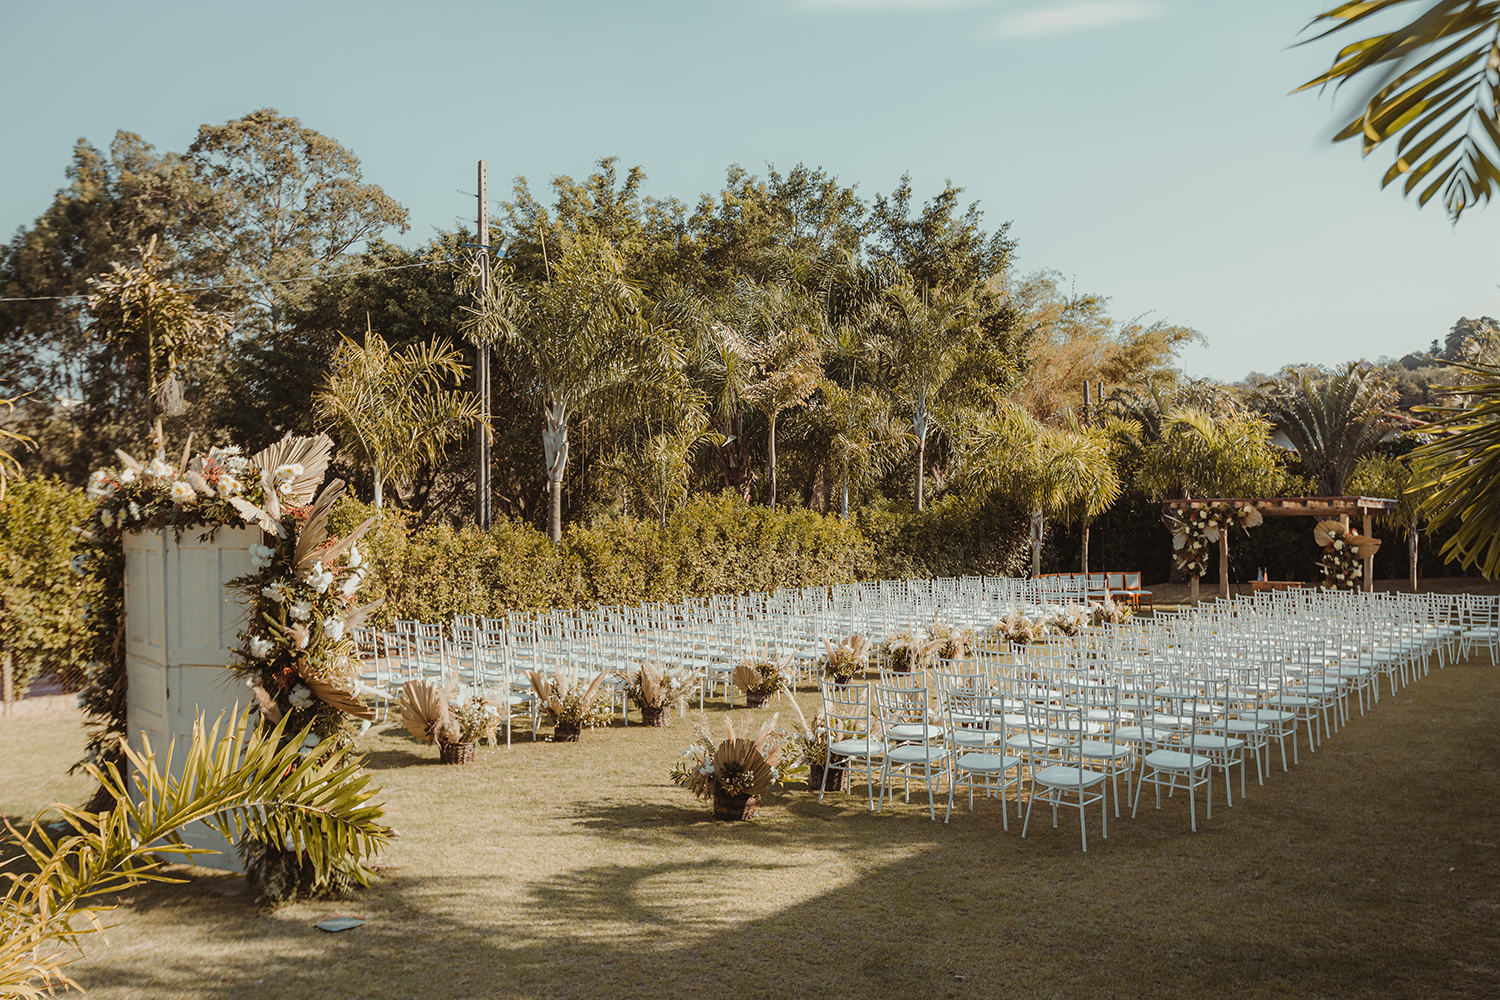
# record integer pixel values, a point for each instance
(1369, 871)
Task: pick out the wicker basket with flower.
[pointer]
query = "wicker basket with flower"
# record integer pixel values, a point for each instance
(850, 657)
(570, 704)
(734, 773)
(656, 690)
(760, 676)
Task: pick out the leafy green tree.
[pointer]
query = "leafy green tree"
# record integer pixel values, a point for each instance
(926, 335)
(1049, 471)
(937, 248)
(290, 204)
(114, 201)
(579, 339)
(1203, 455)
(156, 327)
(1431, 86)
(1455, 474)
(1389, 477)
(393, 408)
(1333, 418)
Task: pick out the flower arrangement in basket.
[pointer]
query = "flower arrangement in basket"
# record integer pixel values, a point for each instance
(851, 656)
(570, 705)
(1198, 528)
(909, 649)
(449, 717)
(1109, 612)
(809, 746)
(760, 676)
(1016, 629)
(953, 641)
(734, 773)
(1070, 621)
(655, 690)
(1344, 551)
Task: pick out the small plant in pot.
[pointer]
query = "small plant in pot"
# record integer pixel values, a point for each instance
(655, 690)
(850, 657)
(447, 716)
(570, 705)
(734, 773)
(760, 677)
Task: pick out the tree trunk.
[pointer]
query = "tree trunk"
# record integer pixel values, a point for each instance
(554, 511)
(1085, 548)
(772, 504)
(1412, 541)
(1038, 527)
(844, 500)
(921, 456)
(1224, 563)
(379, 491)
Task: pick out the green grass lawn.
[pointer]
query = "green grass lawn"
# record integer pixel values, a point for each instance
(578, 870)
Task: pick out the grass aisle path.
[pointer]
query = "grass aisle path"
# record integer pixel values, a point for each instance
(1372, 870)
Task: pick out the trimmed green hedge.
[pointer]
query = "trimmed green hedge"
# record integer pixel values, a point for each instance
(42, 599)
(711, 545)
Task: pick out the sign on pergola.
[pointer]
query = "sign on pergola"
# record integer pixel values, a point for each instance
(1342, 508)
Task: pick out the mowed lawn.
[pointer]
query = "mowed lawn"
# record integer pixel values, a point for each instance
(579, 870)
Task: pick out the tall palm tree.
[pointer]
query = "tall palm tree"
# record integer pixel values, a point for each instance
(1391, 478)
(391, 408)
(1201, 455)
(578, 340)
(1049, 471)
(790, 362)
(1430, 81)
(1333, 418)
(925, 334)
(1456, 474)
(155, 327)
(864, 433)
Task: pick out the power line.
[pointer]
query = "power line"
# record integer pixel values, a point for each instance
(260, 284)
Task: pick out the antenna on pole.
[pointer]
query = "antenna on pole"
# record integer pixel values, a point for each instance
(482, 361)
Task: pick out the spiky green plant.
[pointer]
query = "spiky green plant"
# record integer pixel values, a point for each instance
(251, 784)
(1455, 474)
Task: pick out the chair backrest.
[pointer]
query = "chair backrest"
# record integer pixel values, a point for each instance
(1132, 581)
(846, 708)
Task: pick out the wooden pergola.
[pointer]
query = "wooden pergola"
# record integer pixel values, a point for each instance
(1342, 508)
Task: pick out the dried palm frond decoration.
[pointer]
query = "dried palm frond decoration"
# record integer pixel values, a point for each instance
(422, 708)
(569, 705)
(1343, 553)
(734, 765)
(849, 657)
(654, 686)
(759, 673)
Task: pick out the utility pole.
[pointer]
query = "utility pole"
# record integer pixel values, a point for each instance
(482, 362)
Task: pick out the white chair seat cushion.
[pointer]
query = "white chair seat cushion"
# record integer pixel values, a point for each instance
(1213, 743)
(1102, 750)
(1269, 715)
(1059, 776)
(915, 753)
(913, 731)
(1029, 744)
(987, 763)
(1246, 725)
(974, 737)
(857, 748)
(1176, 760)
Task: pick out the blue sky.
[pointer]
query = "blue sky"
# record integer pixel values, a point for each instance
(1146, 149)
